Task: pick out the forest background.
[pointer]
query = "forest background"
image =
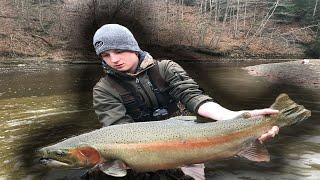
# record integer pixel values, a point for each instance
(183, 29)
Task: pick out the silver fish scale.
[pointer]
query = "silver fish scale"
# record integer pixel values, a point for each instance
(176, 128)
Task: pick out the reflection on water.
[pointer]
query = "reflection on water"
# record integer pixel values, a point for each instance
(43, 104)
(39, 105)
(295, 153)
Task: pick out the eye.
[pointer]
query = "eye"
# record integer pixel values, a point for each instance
(105, 55)
(59, 153)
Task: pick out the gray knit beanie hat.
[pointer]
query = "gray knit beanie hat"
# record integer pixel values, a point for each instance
(114, 36)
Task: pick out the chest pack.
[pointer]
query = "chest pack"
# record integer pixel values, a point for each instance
(135, 105)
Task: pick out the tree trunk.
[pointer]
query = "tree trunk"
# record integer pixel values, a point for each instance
(205, 6)
(262, 25)
(182, 9)
(245, 13)
(210, 4)
(216, 12)
(201, 6)
(236, 21)
(167, 10)
(315, 8)
(217, 40)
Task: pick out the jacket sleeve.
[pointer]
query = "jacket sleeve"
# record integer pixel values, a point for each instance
(182, 87)
(108, 106)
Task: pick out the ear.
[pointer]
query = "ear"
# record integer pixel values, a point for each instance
(87, 154)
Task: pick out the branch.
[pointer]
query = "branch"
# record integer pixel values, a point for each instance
(9, 17)
(42, 38)
(315, 8)
(262, 26)
(307, 27)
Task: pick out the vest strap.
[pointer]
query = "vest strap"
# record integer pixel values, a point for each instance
(135, 106)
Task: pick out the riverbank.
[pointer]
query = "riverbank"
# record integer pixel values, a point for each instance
(175, 53)
(216, 60)
(302, 73)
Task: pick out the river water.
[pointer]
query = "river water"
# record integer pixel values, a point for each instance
(41, 104)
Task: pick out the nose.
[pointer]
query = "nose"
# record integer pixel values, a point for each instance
(114, 57)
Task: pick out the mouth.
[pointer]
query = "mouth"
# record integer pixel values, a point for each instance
(119, 66)
(52, 163)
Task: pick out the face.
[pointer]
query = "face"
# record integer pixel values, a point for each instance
(124, 61)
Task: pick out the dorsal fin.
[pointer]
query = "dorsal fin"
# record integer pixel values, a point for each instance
(201, 119)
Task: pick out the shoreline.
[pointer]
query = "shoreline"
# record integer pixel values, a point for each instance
(179, 53)
(39, 60)
(302, 73)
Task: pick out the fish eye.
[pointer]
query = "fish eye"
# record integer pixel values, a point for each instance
(59, 152)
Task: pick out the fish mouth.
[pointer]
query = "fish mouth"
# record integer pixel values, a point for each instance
(53, 163)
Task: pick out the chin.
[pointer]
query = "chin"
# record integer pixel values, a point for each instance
(123, 69)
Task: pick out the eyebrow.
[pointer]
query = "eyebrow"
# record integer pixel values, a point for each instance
(102, 54)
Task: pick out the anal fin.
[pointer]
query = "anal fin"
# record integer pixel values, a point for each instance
(256, 152)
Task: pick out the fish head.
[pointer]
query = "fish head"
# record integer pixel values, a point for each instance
(289, 111)
(71, 157)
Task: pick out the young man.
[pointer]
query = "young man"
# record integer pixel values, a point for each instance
(138, 88)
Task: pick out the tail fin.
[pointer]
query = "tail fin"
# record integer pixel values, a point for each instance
(282, 101)
(290, 111)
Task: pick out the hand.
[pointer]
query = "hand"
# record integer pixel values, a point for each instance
(273, 131)
(266, 111)
(269, 135)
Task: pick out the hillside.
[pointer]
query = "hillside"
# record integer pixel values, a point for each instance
(178, 29)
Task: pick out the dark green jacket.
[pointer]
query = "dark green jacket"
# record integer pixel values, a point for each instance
(109, 106)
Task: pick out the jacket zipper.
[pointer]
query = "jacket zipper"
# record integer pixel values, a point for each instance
(144, 90)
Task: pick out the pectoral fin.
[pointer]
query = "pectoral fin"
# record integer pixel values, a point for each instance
(116, 168)
(256, 152)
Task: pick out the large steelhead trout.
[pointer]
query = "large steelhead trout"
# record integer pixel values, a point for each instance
(178, 141)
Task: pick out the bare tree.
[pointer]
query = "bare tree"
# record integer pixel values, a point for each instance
(216, 13)
(218, 37)
(245, 13)
(237, 19)
(167, 10)
(262, 25)
(315, 8)
(182, 5)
